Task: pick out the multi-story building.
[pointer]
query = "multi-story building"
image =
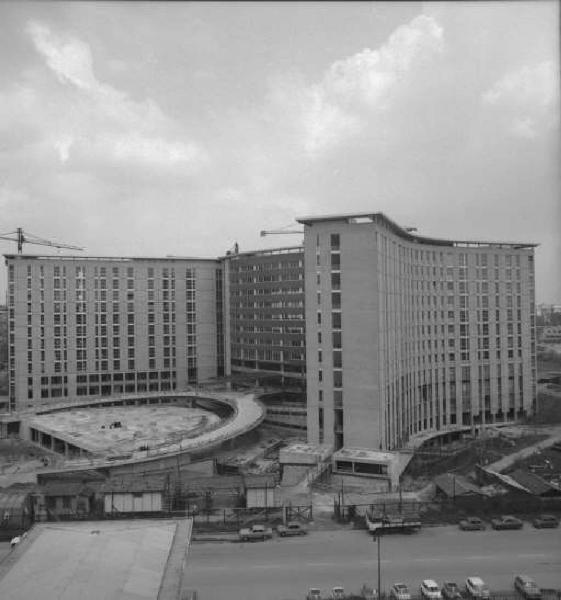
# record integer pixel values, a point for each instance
(265, 320)
(101, 326)
(393, 334)
(408, 335)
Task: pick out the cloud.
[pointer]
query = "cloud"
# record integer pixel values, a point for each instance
(70, 59)
(367, 77)
(528, 99)
(100, 116)
(335, 108)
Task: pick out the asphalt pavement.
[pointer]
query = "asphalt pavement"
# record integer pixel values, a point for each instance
(284, 568)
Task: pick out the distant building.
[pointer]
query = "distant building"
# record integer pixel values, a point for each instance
(407, 334)
(550, 334)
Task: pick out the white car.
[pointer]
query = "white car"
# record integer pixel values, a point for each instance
(430, 590)
(399, 591)
(476, 588)
(338, 593)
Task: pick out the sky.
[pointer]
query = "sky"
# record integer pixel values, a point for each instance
(154, 128)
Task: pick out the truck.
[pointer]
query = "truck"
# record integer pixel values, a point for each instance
(379, 524)
(255, 532)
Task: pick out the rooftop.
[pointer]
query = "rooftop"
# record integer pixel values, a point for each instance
(364, 454)
(534, 483)
(406, 232)
(66, 561)
(106, 258)
(456, 485)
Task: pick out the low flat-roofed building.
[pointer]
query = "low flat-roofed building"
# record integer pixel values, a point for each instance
(300, 453)
(124, 560)
(362, 461)
(63, 500)
(260, 491)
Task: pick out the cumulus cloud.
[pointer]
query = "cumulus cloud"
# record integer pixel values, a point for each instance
(368, 76)
(101, 116)
(333, 109)
(528, 99)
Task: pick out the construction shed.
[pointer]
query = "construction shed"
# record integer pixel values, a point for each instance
(135, 495)
(535, 484)
(449, 485)
(63, 500)
(260, 491)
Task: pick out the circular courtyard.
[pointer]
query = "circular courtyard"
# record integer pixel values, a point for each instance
(125, 429)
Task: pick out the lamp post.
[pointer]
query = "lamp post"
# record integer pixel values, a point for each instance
(379, 570)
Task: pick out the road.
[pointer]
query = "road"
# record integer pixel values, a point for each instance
(282, 569)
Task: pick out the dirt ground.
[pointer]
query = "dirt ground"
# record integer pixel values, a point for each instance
(466, 455)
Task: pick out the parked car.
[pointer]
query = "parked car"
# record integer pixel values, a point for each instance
(399, 591)
(429, 590)
(368, 592)
(291, 528)
(338, 593)
(543, 521)
(451, 591)
(313, 594)
(476, 588)
(527, 587)
(472, 524)
(255, 532)
(507, 522)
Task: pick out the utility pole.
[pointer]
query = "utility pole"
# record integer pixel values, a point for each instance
(379, 569)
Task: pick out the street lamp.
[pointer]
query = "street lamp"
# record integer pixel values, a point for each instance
(377, 539)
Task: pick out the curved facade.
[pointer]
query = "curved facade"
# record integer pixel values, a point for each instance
(407, 334)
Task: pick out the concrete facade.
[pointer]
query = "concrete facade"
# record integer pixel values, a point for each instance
(266, 328)
(407, 335)
(103, 326)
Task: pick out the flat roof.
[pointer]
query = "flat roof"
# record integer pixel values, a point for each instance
(363, 454)
(266, 252)
(378, 217)
(107, 258)
(103, 559)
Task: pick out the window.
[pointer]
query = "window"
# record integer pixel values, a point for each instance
(337, 340)
(336, 320)
(338, 379)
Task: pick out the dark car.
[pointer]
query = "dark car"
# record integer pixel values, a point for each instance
(527, 587)
(367, 592)
(451, 591)
(291, 528)
(472, 524)
(543, 521)
(507, 522)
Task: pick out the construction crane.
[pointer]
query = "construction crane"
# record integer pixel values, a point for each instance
(21, 237)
